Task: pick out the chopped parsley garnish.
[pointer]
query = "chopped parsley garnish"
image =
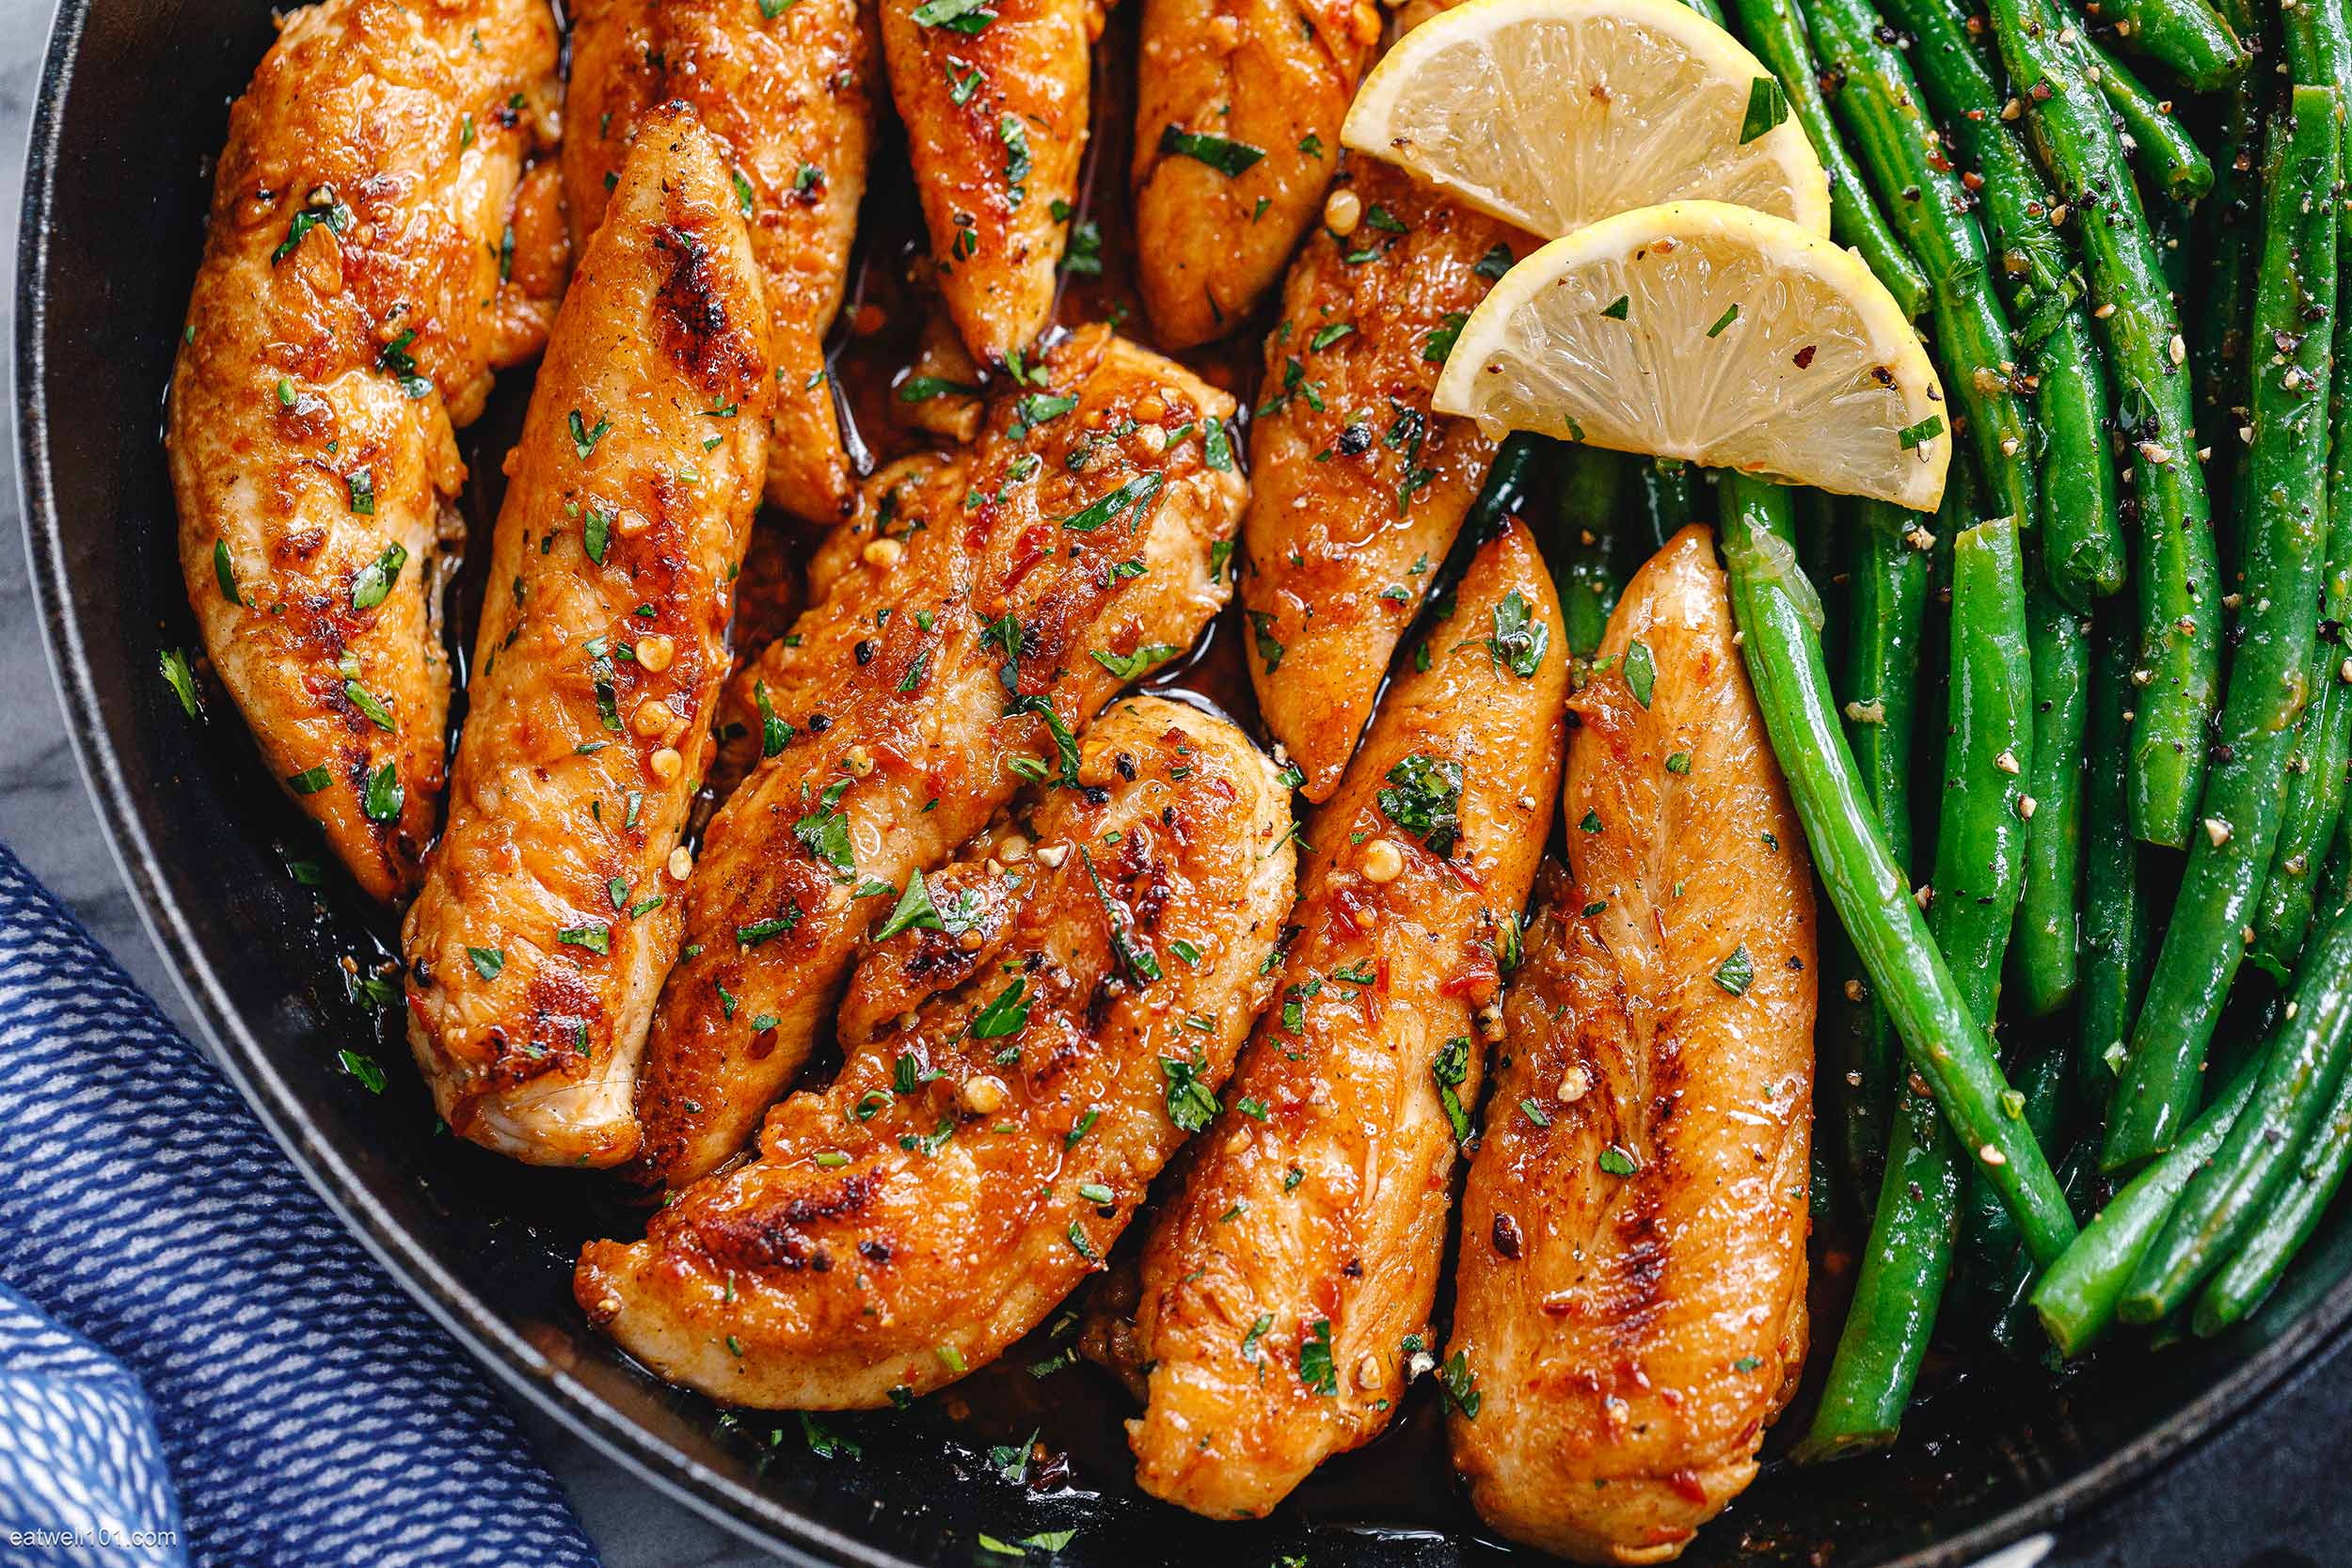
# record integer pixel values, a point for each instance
(1190, 1102)
(773, 732)
(823, 1441)
(1449, 1068)
(372, 583)
(1141, 965)
(359, 491)
(368, 702)
(1461, 1385)
(1128, 666)
(824, 831)
(1065, 744)
(1519, 638)
(180, 677)
(487, 961)
(597, 937)
(325, 210)
(382, 796)
(1921, 434)
(1006, 1015)
(310, 781)
(922, 389)
(1262, 632)
(1315, 1366)
(1737, 973)
(1768, 105)
(394, 356)
(1678, 762)
(225, 571)
(1326, 337)
(1617, 1161)
(775, 926)
(584, 439)
(596, 535)
(1221, 153)
(1424, 798)
(1216, 449)
(1641, 672)
(1617, 307)
(1493, 265)
(1135, 493)
(957, 16)
(1535, 1112)
(914, 907)
(364, 1068)
(1725, 320)
(1441, 338)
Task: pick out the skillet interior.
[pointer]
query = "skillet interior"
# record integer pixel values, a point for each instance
(134, 103)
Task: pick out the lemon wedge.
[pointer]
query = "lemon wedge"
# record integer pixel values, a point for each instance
(1715, 334)
(1553, 114)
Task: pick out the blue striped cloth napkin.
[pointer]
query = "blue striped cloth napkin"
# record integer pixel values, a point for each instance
(198, 1364)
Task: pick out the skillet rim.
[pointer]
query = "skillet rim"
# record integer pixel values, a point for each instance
(751, 1515)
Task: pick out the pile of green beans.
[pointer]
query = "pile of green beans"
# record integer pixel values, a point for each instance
(2130, 804)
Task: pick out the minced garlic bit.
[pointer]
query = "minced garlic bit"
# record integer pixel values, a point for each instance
(1574, 1084)
(1992, 1156)
(984, 1095)
(2218, 830)
(681, 864)
(2007, 762)
(2026, 806)
(1053, 855)
(655, 651)
(1383, 862)
(665, 763)
(1343, 210)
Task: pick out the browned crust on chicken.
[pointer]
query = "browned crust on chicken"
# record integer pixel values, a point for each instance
(1279, 1287)
(899, 730)
(1632, 1334)
(1358, 489)
(996, 130)
(789, 96)
(1004, 1104)
(347, 315)
(1275, 77)
(547, 918)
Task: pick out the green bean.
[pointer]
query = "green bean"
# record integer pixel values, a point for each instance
(1980, 862)
(2117, 906)
(1887, 591)
(1775, 31)
(2246, 1279)
(2186, 37)
(2231, 216)
(2082, 534)
(1774, 606)
(1509, 489)
(2078, 1293)
(2165, 149)
(2015, 1329)
(2318, 49)
(2043, 957)
(1708, 9)
(2180, 637)
(1583, 522)
(2283, 535)
(1667, 501)
(2230, 1200)
(1880, 105)
(1988, 1239)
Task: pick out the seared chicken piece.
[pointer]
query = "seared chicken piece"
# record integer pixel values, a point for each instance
(1238, 104)
(1358, 489)
(1020, 1065)
(549, 915)
(788, 93)
(993, 94)
(991, 610)
(1288, 1284)
(347, 315)
(1630, 1292)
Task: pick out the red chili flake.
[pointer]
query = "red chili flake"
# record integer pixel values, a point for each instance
(1804, 356)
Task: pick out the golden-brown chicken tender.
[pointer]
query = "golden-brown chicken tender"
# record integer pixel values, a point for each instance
(1358, 488)
(1021, 1063)
(550, 913)
(1238, 104)
(1064, 555)
(1630, 1291)
(350, 309)
(1284, 1285)
(788, 93)
(995, 96)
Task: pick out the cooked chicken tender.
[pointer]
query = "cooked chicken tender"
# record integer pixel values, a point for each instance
(1358, 488)
(788, 93)
(350, 309)
(1028, 1038)
(995, 96)
(967, 627)
(1238, 104)
(1630, 1291)
(1287, 1284)
(548, 915)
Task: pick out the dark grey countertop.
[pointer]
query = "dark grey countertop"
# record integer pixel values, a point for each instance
(47, 819)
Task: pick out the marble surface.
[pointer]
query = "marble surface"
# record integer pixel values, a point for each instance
(47, 819)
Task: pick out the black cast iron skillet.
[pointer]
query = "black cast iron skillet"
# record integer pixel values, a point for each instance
(133, 104)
